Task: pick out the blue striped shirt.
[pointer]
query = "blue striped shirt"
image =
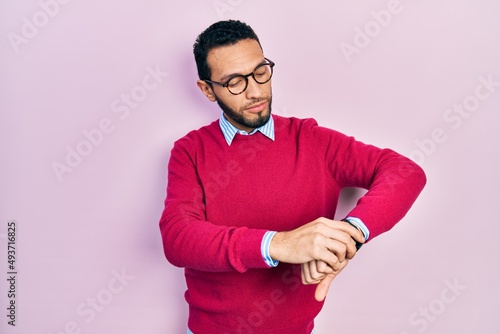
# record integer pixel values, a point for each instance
(230, 130)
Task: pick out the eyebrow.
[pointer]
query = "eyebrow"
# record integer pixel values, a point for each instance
(228, 76)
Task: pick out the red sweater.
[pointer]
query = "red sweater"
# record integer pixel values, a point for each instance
(221, 200)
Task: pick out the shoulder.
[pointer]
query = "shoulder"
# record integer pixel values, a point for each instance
(204, 134)
(293, 124)
(293, 121)
(191, 145)
(304, 126)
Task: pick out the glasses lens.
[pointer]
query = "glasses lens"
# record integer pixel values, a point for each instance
(237, 84)
(263, 73)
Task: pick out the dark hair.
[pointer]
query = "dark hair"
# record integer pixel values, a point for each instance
(222, 33)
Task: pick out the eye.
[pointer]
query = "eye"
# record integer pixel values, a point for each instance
(235, 82)
(261, 71)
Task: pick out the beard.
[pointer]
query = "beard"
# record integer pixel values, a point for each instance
(238, 117)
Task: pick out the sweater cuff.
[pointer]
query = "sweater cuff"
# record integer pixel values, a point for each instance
(248, 254)
(264, 248)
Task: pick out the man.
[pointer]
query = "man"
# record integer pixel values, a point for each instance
(251, 198)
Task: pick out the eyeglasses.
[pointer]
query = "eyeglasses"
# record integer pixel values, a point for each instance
(237, 84)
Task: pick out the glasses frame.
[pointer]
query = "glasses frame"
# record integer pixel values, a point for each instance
(245, 77)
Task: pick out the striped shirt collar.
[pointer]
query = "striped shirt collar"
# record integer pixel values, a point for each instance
(230, 130)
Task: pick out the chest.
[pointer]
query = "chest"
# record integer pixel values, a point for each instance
(259, 184)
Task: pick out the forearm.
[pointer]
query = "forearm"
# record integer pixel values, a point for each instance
(392, 180)
(201, 245)
(396, 185)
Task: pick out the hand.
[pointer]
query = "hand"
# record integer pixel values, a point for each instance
(314, 271)
(318, 272)
(326, 240)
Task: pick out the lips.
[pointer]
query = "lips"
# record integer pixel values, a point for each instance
(257, 107)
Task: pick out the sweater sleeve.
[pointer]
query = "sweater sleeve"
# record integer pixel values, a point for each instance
(189, 240)
(392, 180)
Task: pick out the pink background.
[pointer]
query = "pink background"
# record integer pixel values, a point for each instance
(65, 65)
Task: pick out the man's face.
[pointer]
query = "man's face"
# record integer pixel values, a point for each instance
(250, 109)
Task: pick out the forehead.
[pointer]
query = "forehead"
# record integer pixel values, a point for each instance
(239, 58)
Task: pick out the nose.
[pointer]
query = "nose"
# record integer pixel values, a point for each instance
(254, 89)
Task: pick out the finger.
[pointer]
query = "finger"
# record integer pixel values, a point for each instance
(358, 244)
(335, 236)
(348, 244)
(342, 266)
(337, 240)
(316, 274)
(341, 248)
(314, 271)
(306, 274)
(351, 250)
(323, 267)
(354, 231)
(330, 258)
(344, 226)
(323, 286)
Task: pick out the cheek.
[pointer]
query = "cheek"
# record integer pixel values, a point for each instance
(267, 89)
(230, 101)
(239, 103)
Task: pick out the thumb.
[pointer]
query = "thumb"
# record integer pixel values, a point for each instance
(323, 286)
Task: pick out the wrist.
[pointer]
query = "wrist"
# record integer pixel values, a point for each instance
(275, 246)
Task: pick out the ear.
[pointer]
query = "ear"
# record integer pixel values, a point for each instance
(206, 89)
